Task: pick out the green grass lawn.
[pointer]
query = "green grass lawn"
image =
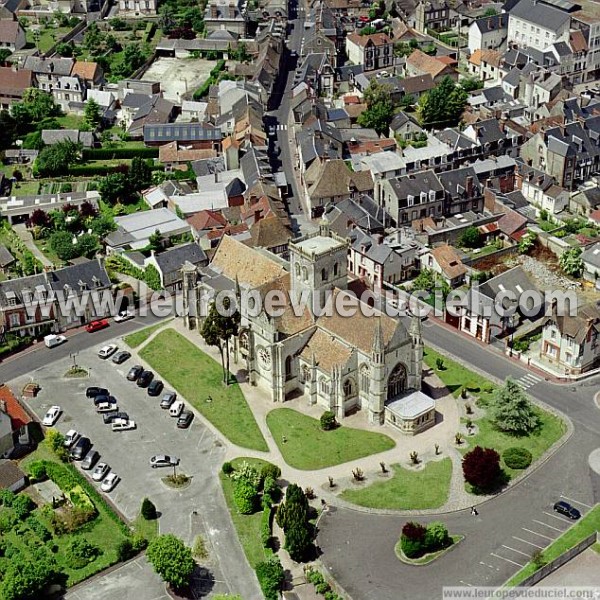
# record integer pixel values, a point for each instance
(407, 489)
(70, 121)
(47, 37)
(102, 532)
(196, 376)
(455, 376)
(44, 248)
(308, 447)
(133, 340)
(26, 188)
(586, 526)
(246, 526)
(147, 529)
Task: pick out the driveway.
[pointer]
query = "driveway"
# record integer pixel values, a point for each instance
(198, 509)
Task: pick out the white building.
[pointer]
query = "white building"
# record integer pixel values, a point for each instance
(488, 33)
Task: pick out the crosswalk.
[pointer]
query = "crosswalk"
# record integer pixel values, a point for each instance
(528, 380)
(281, 127)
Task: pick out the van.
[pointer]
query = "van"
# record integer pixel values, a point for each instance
(176, 408)
(54, 340)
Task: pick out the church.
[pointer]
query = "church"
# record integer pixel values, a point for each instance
(344, 364)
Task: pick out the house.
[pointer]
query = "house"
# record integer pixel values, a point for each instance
(9, 8)
(485, 65)
(12, 35)
(134, 230)
(362, 213)
(332, 181)
(137, 8)
(13, 83)
(140, 110)
(170, 262)
(540, 190)
(206, 220)
(196, 135)
(90, 73)
(11, 477)
(537, 25)
(29, 305)
(7, 444)
(69, 91)
(432, 14)
(21, 423)
(404, 127)
(54, 136)
(374, 51)
(488, 33)
(416, 86)
(571, 342)
(419, 63)
(591, 263)
(7, 260)
(411, 197)
(47, 71)
(585, 201)
(481, 317)
(176, 156)
(445, 261)
(225, 14)
(272, 234)
(193, 111)
(462, 191)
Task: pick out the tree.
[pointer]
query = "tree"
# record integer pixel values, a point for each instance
(56, 159)
(470, 84)
(481, 468)
(8, 127)
(442, 106)
(28, 576)
(380, 108)
(39, 218)
(512, 412)
(436, 536)
(171, 559)
(527, 242)
(114, 187)
(210, 332)
(35, 106)
(328, 420)
(183, 33)
(570, 262)
(470, 238)
(87, 210)
(87, 245)
(412, 540)
(148, 510)
(55, 439)
(292, 516)
(92, 116)
(270, 576)
(4, 54)
(298, 541)
(270, 470)
(132, 59)
(245, 497)
(62, 243)
(140, 175)
(65, 49)
(490, 12)
(155, 241)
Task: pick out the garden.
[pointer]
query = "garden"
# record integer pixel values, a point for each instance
(422, 544)
(198, 378)
(306, 445)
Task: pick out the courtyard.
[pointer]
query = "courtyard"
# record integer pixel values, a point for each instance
(179, 77)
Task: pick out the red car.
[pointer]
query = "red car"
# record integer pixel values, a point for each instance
(363, 19)
(96, 325)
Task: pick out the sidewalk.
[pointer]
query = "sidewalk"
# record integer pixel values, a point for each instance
(26, 237)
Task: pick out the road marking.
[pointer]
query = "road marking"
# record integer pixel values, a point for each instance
(490, 566)
(507, 560)
(465, 583)
(526, 542)
(561, 519)
(576, 501)
(536, 533)
(515, 550)
(546, 525)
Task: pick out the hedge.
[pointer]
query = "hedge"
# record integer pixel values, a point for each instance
(265, 527)
(114, 153)
(517, 458)
(203, 89)
(102, 170)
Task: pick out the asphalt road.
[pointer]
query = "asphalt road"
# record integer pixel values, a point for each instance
(359, 547)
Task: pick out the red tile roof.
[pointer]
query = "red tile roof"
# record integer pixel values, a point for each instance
(14, 83)
(14, 409)
(207, 219)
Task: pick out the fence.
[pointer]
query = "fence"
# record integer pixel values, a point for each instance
(472, 261)
(66, 38)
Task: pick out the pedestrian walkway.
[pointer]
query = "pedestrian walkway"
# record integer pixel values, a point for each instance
(528, 381)
(26, 237)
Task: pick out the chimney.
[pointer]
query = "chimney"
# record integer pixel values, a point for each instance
(379, 239)
(469, 186)
(490, 23)
(213, 11)
(488, 183)
(3, 406)
(257, 215)
(231, 10)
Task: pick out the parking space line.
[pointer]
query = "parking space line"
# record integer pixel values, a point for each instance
(536, 533)
(490, 566)
(561, 519)
(526, 542)
(465, 583)
(576, 501)
(507, 560)
(515, 550)
(546, 524)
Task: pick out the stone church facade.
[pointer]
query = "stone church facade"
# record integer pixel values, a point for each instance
(343, 364)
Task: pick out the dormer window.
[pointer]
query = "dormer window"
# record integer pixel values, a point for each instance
(67, 289)
(96, 281)
(27, 295)
(11, 298)
(82, 285)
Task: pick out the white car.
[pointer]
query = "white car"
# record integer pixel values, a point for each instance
(105, 407)
(123, 425)
(107, 351)
(54, 340)
(124, 315)
(100, 472)
(71, 437)
(51, 416)
(110, 481)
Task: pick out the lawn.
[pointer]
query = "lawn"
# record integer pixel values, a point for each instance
(246, 526)
(103, 532)
(308, 447)
(455, 376)
(47, 37)
(44, 248)
(197, 377)
(588, 525)
(147, 529)
(133, 340)
(407, 489)
(70, 121)
(26, 188)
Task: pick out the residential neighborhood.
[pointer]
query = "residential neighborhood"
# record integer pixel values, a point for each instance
(299, 299)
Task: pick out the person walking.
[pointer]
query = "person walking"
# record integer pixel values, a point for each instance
(474, 511)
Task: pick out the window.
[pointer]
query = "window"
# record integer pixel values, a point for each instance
(323, 274)
(349, 389)
(288, 367)
(335, 270)
(15, 320)
(323, 386)
(297, 270)
(305, 273)
(305, 374)
(364, 378)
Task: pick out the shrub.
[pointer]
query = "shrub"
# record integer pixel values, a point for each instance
(37, 470)
(271, 491)
(148, 510)
(22, 505)
(436, 536)
(265, 527)
(8, 520)
(54, 439)
(139, 542)
(199, 550)
(270, 470)
(481, 467)
(7, 498)
(125, 550)
(517, 458)
(411, 548)
(245, 497)
(412, 540)
(80, 552)
(328, 421)
(38, 528)
(270, 577)
(227, 468)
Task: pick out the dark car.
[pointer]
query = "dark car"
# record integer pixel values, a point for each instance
(91, 458)
(94, 391)
(121, 357)
(101, 399)
(564, 508)
(108, 418)
(155, 388)
(135, 372)
(168, 399)
(145, 379)
(185, 419)
(81, 448)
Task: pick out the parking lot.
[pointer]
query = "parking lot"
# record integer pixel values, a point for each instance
(197, 509)
(517, 544)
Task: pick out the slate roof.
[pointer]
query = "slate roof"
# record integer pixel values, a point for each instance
(9, 31)
(578, 326)
(91, 273)
(363, 212)
(208, 166)
(592, 255)
(6, 258)
(514, 280)
(55, 66)
(493, 23)
(369, 246)
(455, 181)
(173, 259)
(183, 132)
(53, 136)
(413, 185)
(9, 474)
(541, 14)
